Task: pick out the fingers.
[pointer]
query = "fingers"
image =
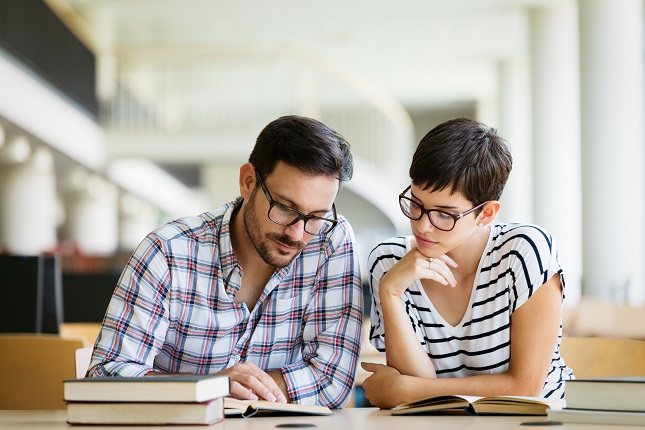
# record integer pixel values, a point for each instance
(270, 391)
(435, 268)
(250, 382)
(370, 367)
(439, 271)
(449, 261)
(415, 266)
(239, 391)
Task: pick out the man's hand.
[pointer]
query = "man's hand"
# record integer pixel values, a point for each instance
(249, 382)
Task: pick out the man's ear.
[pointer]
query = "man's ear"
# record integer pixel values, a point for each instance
(488, 213)
(247, 180)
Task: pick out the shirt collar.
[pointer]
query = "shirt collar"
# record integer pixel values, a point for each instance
(228, 260)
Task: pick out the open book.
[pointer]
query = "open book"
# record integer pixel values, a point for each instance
(496, 405)
(248, 408)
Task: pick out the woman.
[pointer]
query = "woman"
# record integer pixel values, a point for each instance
(464, 305)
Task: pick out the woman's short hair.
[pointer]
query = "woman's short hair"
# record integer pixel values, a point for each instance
(465, 156)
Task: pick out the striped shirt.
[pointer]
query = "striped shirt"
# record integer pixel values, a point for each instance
(173, 310)
(517, 260)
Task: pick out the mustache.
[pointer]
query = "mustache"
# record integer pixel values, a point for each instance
(286, 240)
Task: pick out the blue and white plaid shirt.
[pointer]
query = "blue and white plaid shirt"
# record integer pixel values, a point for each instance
(173, 310)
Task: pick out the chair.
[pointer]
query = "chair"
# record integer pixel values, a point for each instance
(82, 358)
(597, 357)
(598, 318)
(32, 370)
(86, 331)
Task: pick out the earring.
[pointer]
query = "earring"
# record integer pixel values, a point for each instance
(480, 224)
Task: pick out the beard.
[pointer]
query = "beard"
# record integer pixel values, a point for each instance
(261, 243)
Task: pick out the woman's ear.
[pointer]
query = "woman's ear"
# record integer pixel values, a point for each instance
(247, 180)
(488, 213)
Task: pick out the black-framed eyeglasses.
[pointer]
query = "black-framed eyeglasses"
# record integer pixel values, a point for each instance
(286, 215)
(441, 220)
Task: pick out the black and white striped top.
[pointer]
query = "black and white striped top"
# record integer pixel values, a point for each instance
(517, 260)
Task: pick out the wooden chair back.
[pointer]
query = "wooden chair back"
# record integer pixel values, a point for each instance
(32, 370)
(88, 332)
(598, 357)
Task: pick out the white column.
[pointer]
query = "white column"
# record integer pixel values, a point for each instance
(92, 214)
(136, 220)
(27, 199)
(515, 128)
(221, 182)
(2, 136)
(611, 36)
(556, 134)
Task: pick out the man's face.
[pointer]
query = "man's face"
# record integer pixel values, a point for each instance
(276, 244)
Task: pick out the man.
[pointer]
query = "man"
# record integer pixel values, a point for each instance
(266, 290)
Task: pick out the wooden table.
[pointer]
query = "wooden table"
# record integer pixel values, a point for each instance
(347, 419)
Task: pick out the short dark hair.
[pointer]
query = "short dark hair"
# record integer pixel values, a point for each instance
(304, 143)
(464, 155)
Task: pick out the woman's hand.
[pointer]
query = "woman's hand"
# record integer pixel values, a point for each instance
(414, 266)
(386, 387)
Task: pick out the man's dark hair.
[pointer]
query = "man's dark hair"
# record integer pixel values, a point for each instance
(304, 143)
(465, 156)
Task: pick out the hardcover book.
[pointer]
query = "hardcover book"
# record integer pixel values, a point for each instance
(157, 388)
(613, 394)
(596, 416)
(145, 413)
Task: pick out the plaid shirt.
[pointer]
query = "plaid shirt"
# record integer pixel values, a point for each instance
(173, 311)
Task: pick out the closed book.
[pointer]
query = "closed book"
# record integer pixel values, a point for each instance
(494, 405)
(248, 408)
(157, 388)
(612, 394)
(594, 416)
(145, 413)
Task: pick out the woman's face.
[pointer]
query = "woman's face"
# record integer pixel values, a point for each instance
(431, 241)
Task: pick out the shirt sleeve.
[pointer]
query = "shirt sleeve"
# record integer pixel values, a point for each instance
(380, 261)
(331, 331)
(136, 320)
(376, 272)
(534, 262)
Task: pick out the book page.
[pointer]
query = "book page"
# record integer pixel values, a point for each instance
(456, 399)
(251, 407)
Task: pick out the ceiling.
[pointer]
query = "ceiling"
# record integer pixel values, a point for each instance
(189, 84)
(415, 51)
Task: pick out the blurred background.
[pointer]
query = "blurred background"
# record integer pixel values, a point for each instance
(116, 116)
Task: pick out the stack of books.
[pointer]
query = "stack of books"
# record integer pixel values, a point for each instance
(604, 401)
(150, 400)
